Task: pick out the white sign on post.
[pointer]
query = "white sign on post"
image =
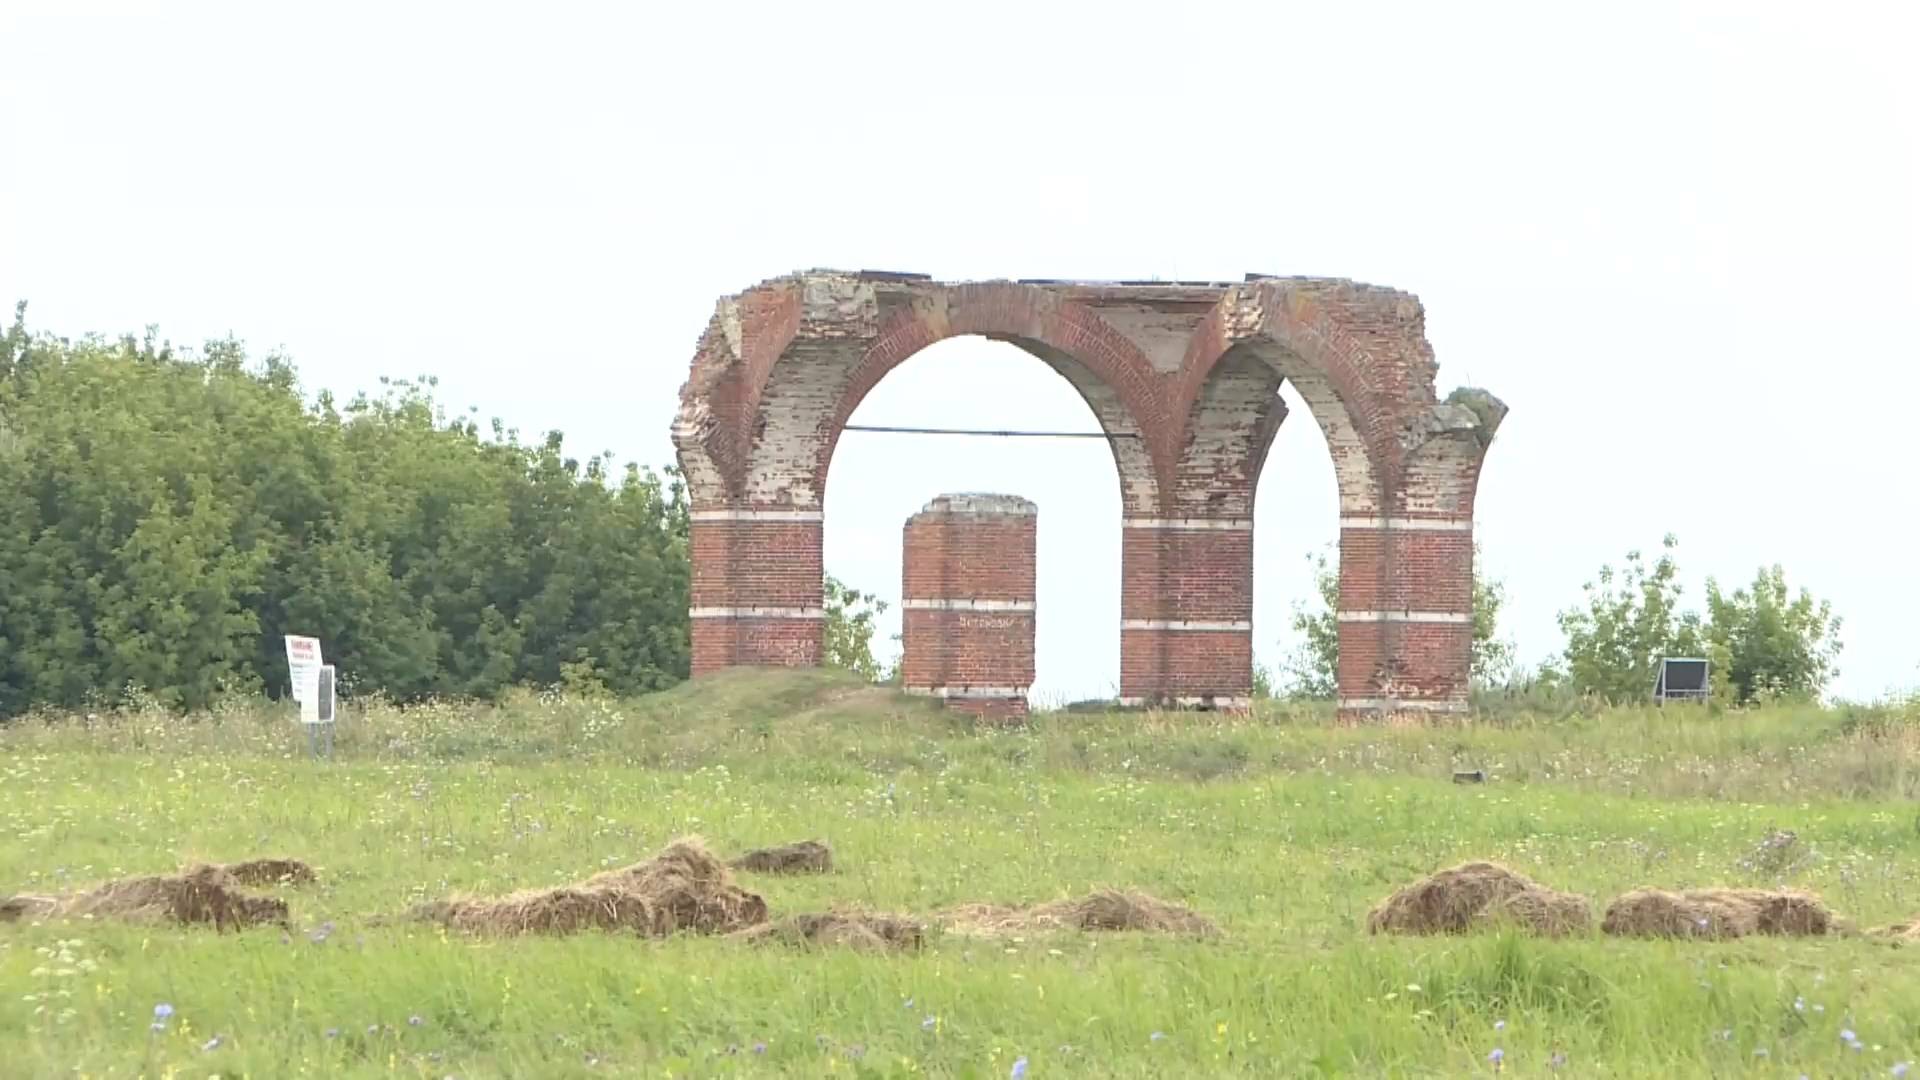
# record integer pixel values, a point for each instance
(303, 664)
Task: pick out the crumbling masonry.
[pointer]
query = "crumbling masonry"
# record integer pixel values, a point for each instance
(1184, 379)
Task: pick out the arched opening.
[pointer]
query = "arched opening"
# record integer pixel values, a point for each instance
(876, 481)
(1296, 517)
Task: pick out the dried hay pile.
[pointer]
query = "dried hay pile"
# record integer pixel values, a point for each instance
(849, 929)
(1899, 933)
(1478, 894)
(259, 872)
(198, 895)
(1106, 910)
(684, 888)
(804, 857)
(1716, 913)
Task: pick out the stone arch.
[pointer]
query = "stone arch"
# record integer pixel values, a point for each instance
(1184, 377)
(1109, 372)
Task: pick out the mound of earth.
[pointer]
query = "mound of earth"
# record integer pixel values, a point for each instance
(684, 888)
(1478, 894)
(803, 857)
(1106, 910)
(854, 930)
(204, 895)
(1716, 913)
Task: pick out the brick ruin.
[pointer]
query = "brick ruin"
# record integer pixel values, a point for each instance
(967, 599)
(1184, 378)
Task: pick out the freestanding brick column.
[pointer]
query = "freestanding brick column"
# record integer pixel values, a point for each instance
(968, 603)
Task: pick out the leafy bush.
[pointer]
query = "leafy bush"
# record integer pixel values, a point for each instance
(165, 518)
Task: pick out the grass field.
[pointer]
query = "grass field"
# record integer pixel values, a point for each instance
(1284, 829)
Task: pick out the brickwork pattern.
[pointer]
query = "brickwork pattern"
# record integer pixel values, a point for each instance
(1184, 377)
(968, 589)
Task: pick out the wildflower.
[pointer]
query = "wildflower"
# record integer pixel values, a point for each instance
(414, 1021)
(759, 1048)
(162, 1011)
(1499, 1025)
(1759, 1051)
(1901, 1068)
(908, 1004)
(1799, 1004)
(1498, 1057)
(1558, 1059)
(928, 1023)
(1156, 1036)
(1019, 1069)
(210, 1045)
(332, 1033)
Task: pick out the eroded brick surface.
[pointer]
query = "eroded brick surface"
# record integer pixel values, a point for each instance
(968, 589)
(1184, 378)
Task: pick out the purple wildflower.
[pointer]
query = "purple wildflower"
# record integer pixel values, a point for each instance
(162, 1011)
(1498, 1057)
(1019, 1069)
(759, 1048)
(1901, 1068)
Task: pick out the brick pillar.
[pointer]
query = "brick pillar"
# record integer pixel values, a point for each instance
(1406, 617)
(1406, 576)
(968, 603)
(1186, 612)
(757, 585)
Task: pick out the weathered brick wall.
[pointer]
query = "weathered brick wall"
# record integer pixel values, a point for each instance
(968, 592)
(1184, 379)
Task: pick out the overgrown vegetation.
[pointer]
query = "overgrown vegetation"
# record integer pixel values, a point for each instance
(165, 518)
(1283, 829)
(1762, 641)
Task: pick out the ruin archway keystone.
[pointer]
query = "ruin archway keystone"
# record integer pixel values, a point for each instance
(1184, 378)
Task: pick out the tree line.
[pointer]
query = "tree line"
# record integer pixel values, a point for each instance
(166, 517)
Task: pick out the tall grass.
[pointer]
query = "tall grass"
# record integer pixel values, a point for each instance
(1282, 827)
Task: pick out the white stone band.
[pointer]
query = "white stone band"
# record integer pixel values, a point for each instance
(758, 613)
(1407, 616)
(968, 692)
(1401, 705)
(967, 605)
(1186, 624)
(1217, 701)
(1408, 524)
(758, 515)
(1222, 524)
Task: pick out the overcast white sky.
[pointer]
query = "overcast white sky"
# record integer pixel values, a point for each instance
(1682, 242)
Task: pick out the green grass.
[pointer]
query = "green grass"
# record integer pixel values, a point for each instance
(1282, 828)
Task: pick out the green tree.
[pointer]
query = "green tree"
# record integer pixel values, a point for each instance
(849, 631)
(1774, 642)
(1629, 620)
(1313, 669)
(165, 518)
